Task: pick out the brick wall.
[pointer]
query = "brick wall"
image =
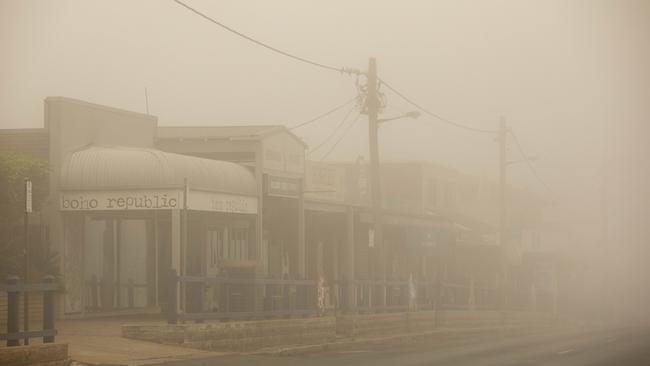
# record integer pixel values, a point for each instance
(238, 336)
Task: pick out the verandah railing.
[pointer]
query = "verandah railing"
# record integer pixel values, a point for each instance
(239, 298)
(404, 295)
(225, 298)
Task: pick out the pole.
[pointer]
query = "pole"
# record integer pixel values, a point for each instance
(12, 311)
(502, 213)
(184, 235)
(48, 309)
(28, 209)
(372, 109)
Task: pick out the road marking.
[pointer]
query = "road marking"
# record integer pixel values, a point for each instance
(565, 351)
(353, 351)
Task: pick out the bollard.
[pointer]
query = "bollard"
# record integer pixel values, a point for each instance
(172, 297)
(12, 311)
(48, 309)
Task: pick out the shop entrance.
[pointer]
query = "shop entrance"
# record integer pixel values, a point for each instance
(117, 258)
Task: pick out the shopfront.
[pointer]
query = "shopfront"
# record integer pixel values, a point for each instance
(132, 214)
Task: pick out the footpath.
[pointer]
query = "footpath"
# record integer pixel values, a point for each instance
(138, 340)
(100, 342)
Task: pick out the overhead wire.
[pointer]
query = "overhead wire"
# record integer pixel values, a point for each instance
(432, 114)
(355, 72)
(336, 129)
(315, 119)
(525, 157)
(345, 132)
(342, 70)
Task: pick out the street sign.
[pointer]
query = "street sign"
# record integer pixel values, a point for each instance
(28, 196)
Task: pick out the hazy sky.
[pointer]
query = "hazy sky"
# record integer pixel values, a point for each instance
(571, 77)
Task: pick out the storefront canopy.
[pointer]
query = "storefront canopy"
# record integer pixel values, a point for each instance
(99, 167)
(128, 178)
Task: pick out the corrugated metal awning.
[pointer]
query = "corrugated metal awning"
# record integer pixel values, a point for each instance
(116, 167)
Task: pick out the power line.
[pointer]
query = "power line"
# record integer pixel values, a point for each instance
(342, 70)
(435, 115)
(525, 157)
(336, 129)
(323, 115)
(345, 132)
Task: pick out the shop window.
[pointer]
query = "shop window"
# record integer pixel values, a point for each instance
(239, 243)
(227, 243)
(215, 248)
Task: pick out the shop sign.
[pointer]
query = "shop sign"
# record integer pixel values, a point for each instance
(121, 200)
(156, 200)
(324, 182)
(282, 186)
(28, 196)
(221, 202)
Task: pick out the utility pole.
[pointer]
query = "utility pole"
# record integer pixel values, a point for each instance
(502, 140)
(607, 282)
(372, 110)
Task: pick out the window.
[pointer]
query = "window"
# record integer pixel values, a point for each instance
(215, 247)
(227, 243)
(238, 243)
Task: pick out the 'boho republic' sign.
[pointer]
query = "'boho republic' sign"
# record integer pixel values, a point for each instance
(160, 199)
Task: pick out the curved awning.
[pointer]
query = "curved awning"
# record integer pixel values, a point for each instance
(99, 167)
(123, 178)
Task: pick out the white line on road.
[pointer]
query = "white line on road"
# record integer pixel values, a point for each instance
(565, 351)
(353, 351)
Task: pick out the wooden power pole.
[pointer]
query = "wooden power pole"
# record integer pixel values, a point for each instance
(503, 240)
(372, 106)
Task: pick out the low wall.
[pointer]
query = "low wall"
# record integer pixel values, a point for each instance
(238, 336)
(244, 336)
(50, 354)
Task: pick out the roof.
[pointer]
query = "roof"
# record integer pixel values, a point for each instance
(98, 106)
(254, 132)
(103, 167)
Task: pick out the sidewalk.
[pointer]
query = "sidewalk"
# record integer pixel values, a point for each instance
(99, 342)
(355, 343)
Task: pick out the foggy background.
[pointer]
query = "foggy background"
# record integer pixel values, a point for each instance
(571, 78)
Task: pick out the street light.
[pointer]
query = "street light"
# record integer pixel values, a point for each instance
(411, 114)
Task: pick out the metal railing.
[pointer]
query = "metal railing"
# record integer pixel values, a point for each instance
(240, 298)
(14, 289)
(255, 298)
(404, 295)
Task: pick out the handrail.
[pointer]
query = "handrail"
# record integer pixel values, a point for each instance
(245, 281)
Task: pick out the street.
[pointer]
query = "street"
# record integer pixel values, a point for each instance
(624, 346)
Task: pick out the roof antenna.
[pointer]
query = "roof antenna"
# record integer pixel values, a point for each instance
(146, 99)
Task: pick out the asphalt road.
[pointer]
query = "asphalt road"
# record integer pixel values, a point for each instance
(575, 347)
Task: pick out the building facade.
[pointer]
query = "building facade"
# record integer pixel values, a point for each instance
(131, 200)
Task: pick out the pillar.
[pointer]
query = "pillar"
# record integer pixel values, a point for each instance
(176, 238)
